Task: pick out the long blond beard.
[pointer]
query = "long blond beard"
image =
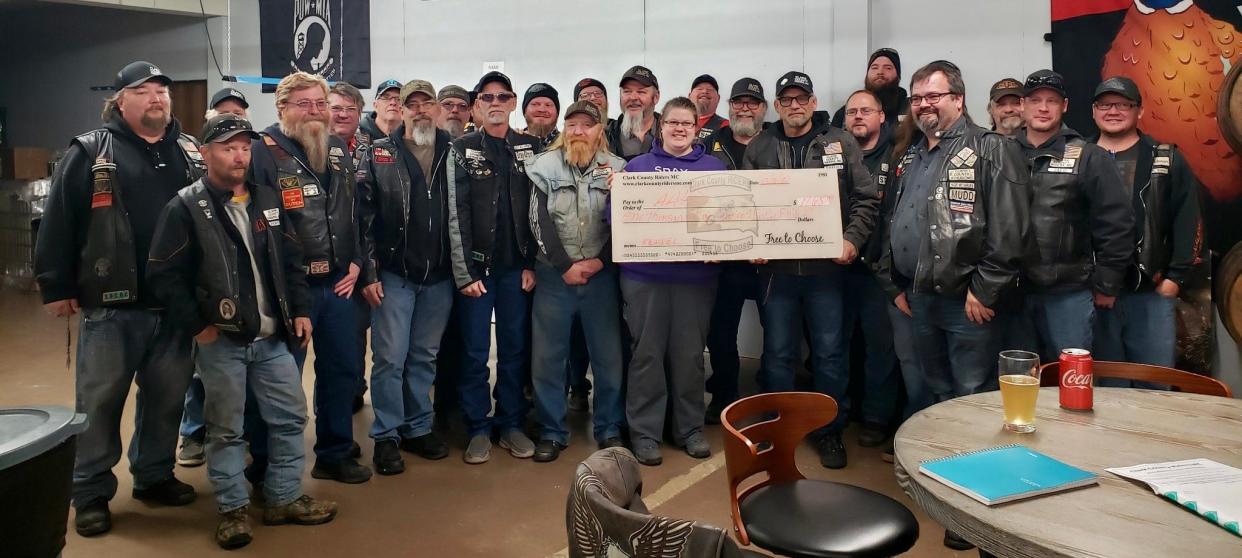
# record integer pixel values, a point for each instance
(312, 135)
(579, 152)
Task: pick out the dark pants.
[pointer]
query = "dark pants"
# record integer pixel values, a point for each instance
(579, 357)
(866, 304)
(1058, 320)
(510, 303)
(737, 284)
(787, 300)
(958, 356)
(363, 314)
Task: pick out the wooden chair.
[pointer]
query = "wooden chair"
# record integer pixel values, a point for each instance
(1049, 375)
(788, 514)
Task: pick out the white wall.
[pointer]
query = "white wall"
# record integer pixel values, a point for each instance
(54, 53)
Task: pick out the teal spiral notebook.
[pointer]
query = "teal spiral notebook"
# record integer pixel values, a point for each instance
(1006, 473)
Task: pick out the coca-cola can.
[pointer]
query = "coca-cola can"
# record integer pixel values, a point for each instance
(1076, 380)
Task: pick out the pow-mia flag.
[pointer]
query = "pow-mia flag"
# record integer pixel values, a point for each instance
(330, 38)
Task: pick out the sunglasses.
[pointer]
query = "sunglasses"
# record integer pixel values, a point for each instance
(502, 97)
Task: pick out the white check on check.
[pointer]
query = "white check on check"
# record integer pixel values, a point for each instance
(726, 215)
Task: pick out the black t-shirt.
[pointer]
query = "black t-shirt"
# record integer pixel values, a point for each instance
(1127, 162)
(799, 145)
(506, 254)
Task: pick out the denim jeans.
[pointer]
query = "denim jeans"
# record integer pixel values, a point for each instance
(736, 285)
(1062, 320)
(192, 424)
(506, 297)
(1140, 328)
(788, 299)
(579, 359)
(918, 394)
(118, 347)
(958, 356)
(264, 366)
(866, 303)
(406, 330)
(556, 307)
(362, 312)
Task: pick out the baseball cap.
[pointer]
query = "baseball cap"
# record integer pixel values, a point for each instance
(584, 107)
(496, 77)
(705, 78)
(1004, 87)
(795, 79)
(747, 87)
(453, 92)
(388, 84)
(138, 73)
(223, 127)
(1123, 86)
(417, 86)
(589, 82)
(1044, 79)
(642, 75)
(228, 93)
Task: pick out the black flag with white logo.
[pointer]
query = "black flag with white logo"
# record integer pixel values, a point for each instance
(330, 38)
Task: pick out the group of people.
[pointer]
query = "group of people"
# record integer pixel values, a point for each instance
(204, 267)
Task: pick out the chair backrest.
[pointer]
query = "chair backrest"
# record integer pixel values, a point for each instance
(762, 433)
(605, 512)
(1180, 379)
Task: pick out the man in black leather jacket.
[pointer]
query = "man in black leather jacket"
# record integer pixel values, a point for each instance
(493, 258)
(406, 274)
(957, 235)
(1168, 232)
(1082, 224)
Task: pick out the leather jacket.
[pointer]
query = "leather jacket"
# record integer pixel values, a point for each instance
(831, 149)
(1082, 218)
(978, 225)
(397, 204)
(474, 190)
(324, 215)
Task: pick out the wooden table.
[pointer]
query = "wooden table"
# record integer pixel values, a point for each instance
(1118, 518)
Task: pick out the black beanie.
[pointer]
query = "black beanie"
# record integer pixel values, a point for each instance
(541, 90)
(889, 54)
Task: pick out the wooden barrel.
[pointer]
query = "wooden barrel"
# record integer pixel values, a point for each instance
(1228, 291)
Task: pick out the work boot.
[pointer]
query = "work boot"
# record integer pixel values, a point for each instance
(303, 511)
(387, 459)
(831, 451)
(348, 471)
(169, 492)
(427, 446)
(648, 452)
(92, 519)
(234, 531)
(697, 447)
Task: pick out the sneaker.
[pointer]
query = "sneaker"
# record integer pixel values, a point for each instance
(387, 459)
(613, 442)
(233, 531)
(547, 451)
(170, 492)
(648, 452)
(697, 447)
(518, 444)
(348, 471)
(303, 511)
(579, 402)
(479, 450)
(956, 542)
(872, 435)
(92, 519)
(831, 451)
(427, 446)
(192, 453)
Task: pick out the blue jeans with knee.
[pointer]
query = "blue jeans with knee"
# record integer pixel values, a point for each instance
(556, 306)
(918, 394)
(118, 347)
(1062, 320)
(1140, 328)
(192, 425)
(232, 373)
(788, 299)
(958, 356)
(866, 302)
(406, 330)
(504, 296)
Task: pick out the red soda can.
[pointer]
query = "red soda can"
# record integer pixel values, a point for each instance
(1076, 379)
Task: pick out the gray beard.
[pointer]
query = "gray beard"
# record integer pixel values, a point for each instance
(423, 133)
(455, 128)
(630, 124)
(747, 129)
(1009, 124)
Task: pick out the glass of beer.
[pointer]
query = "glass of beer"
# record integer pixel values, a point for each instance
(1019, 385)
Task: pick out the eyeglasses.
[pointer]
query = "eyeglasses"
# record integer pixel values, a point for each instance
(751, 104)
(679, 124)
(1121, 106)
(415, 105)
(931, 98)
(346, 110)
(491, 97)
(306, 104)
(865, 111)
(585, 95)
(390, 98)
(787, 101)
(461, 107)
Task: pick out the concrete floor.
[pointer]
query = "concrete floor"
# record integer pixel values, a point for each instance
(506, 507)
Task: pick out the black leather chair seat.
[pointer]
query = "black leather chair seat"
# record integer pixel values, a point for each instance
(821, 519)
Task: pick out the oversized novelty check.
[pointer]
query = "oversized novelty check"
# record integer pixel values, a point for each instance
(725, 215)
